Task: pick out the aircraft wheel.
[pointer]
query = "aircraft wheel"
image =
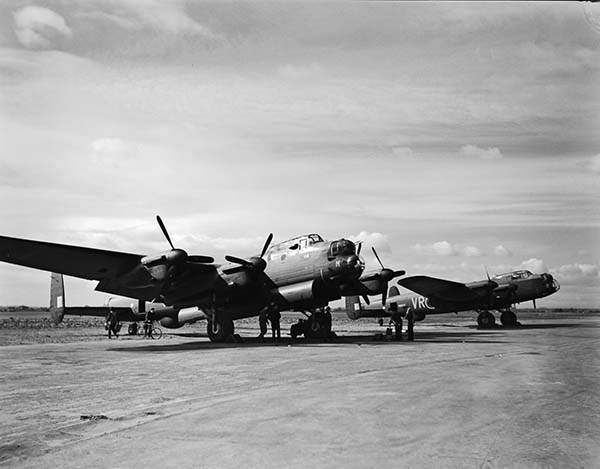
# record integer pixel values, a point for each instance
(508, 318)
(486, 320)
(316, 327)
(219, 330)
(132, 329)
(296, 330)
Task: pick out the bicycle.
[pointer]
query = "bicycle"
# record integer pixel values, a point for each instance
(151, 331)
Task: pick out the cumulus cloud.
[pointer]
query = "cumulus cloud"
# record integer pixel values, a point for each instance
(578, 274)
(38, 27)
(501, 251)
(444, 248)
(377, 240)
(537, 266)
(471, 251)
(485, 154)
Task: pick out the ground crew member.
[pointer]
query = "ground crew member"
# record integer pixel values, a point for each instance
(112, 322)
(262, 322)
(274, 317)
(396, 318)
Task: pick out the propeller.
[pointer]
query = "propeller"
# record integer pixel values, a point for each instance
(254, 263)
(386, 275)
(192, 259)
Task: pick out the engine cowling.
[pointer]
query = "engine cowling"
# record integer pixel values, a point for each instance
(310, 291)
(177, 318)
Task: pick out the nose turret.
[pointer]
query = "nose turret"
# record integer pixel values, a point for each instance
(550, 284)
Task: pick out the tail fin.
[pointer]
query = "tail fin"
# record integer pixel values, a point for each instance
(57, 297)
(353, 307)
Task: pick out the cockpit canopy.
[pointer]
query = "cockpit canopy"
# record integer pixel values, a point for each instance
(297, 243)
(517, 274)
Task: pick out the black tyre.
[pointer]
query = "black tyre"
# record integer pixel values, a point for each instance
(132, 329)
(486, 320)
(219, 330)
(508, 319)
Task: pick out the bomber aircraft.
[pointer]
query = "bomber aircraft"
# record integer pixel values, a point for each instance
(439, 296)
(303, 274)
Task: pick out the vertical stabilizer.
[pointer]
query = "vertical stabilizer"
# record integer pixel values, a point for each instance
(353, 307)
(57, 297)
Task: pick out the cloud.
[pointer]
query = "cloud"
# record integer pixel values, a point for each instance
(296, 72)
(471, 251)
(377, 240)
(537, 266)
(39, 28)
(501, 251)
(484, 154)
(444, 248)
(170, 16)
(403, 152)
(440, 248)
(112, 151)
(593, 164)
(587, 274)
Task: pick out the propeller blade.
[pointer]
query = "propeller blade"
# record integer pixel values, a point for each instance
(201, 259)
(384, 294)
(164, 230)
(534, 306)
(267, 243)
(233, 270)
(377, 257)
(360, 243)
(238, 260)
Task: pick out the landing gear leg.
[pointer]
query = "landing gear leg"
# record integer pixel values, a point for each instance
(396, 320)
(486, 320)
(219, 329)
(508, 318)
(318, 325)
(410, 328)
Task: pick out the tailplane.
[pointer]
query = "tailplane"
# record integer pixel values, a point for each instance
(57, 298)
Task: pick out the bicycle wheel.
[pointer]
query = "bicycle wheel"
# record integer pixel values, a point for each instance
(156, 332)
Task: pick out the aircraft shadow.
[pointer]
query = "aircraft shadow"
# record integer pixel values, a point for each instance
(531, 326)
(345, 340)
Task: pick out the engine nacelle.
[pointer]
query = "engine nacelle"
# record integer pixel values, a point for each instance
(177, 318)
(310, 291)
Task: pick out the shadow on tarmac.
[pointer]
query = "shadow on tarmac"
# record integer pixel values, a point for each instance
(358, 340)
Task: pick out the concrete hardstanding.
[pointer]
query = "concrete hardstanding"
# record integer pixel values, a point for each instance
(457, 397)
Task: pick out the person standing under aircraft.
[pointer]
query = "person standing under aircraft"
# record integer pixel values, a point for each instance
(111, 322)
(274, 318)
(262, 322)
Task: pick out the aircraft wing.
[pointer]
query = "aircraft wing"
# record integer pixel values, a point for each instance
(76, 261)
(118, 273)
(440, 289)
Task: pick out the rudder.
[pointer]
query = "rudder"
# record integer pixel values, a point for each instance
(353, 307)
(57, 297)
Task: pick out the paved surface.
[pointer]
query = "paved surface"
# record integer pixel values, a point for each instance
(457, 397)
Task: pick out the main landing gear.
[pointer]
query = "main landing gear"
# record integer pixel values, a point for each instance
(486, 320)
(316, 326)
(220, 329)
(508, 318)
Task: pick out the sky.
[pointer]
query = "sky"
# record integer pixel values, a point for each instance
(453, 137)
